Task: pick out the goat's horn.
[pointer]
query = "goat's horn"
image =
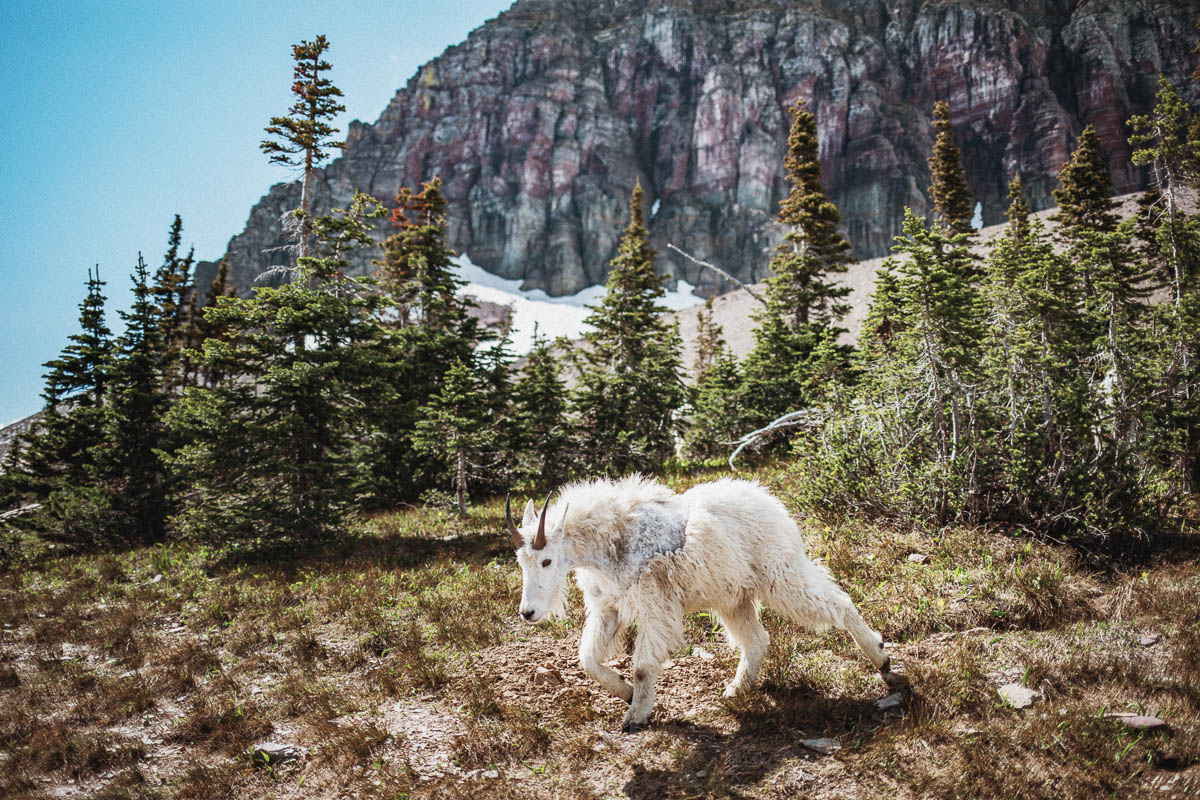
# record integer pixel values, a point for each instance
(512, 528)
(539, 541)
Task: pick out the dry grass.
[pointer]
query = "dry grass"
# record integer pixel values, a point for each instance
(393, 658)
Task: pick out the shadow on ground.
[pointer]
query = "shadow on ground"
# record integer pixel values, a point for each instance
(770, 726)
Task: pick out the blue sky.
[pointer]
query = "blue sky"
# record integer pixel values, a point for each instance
(118, 115)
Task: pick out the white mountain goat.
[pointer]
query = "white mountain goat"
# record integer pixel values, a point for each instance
(645, 556)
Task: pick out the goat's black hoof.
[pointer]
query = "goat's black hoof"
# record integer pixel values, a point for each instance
(632, 727)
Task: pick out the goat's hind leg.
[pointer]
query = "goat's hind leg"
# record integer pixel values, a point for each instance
(746, 632)
(814, 599)
(595, 645)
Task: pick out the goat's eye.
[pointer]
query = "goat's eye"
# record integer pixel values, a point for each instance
(546, 563)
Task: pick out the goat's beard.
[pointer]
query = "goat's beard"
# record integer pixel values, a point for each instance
(556, 607)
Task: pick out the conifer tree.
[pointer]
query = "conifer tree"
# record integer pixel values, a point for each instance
(304, 138)
(60, 450)
(202, 328)
(173, 293)
(453, 426)
(1168, 140)
(1160, 140)
(417, 270)
(952, 199)
(543, 445)
(630, 385)
(129, 465)
(937, 285)
(803, 304)
(1084, 193)
(270, 450)
(1035, 344)
(813, 248)
(709, 339)
(717, 413)
(428, 330)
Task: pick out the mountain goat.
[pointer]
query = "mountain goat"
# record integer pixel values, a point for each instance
(645, 556)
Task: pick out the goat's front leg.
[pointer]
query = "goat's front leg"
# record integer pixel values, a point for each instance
(645, 676)
(652, 647)
(594, 646)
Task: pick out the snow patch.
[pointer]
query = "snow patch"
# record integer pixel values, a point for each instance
(977, 217)
(553, 316)
(654, 208)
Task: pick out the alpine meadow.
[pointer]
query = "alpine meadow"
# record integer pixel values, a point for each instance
(906, 506)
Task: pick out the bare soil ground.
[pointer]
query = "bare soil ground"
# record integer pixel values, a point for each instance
(394, 662)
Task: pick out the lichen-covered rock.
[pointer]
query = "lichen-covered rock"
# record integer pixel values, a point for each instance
(541, 121)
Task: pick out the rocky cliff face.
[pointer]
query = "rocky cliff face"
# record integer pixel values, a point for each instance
(541, 121)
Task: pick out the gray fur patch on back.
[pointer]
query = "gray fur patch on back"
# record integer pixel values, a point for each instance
(656, 528)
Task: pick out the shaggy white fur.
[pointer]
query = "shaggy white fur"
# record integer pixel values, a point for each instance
(645, 556)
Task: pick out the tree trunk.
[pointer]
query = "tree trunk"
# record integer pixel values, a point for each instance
(461, 482)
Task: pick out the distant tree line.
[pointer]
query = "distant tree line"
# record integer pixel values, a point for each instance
(1039, 384)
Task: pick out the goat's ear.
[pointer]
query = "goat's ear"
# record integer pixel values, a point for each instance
(530, 515)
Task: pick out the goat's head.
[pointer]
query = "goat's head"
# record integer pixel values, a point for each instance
(541, 555)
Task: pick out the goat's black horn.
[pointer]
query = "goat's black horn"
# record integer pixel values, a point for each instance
(512, 528)
(539, 541)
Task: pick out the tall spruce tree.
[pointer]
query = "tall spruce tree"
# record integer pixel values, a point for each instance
(1084, 193)
(305, 138)
(270, 450)
(709, 340)
(803, 304)
(1160, 140)
(1168, 141)
(453, 427)
(1035, 344)
(630, 385)
(428, 329)
(543, 445)
(173, 292)
(937, 285)
(717, 412)
(59, 450)
(129, 466)
(202, 328)
(952, 199)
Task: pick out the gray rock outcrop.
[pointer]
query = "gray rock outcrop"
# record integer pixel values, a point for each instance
(541, 121)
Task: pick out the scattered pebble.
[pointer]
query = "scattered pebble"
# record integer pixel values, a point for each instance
(823, 745)
(1149, 640)
(543, 676)
(918, 558)
(1137, 720)
(891, 701)
(1018, 696)
(274, 753)
(702, 653)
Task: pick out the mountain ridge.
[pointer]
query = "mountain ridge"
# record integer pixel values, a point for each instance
(540, 122)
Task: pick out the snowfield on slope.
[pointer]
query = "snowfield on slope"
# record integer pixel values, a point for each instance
(552, 316)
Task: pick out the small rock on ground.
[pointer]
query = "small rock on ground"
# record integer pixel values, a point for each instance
(1149, 640)
(1018, 696)
(1137, 720)
(918, 558)
(272, 753)
(891, 701)
(823, 745)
